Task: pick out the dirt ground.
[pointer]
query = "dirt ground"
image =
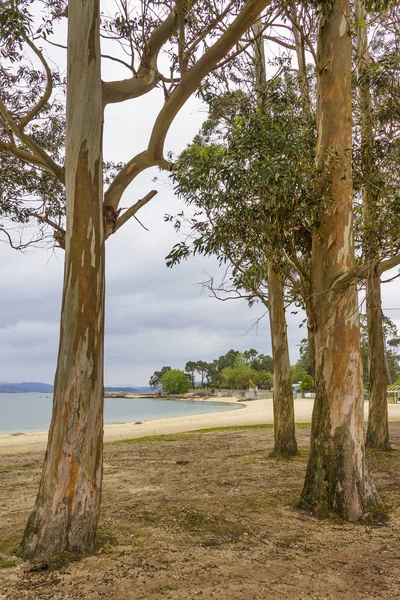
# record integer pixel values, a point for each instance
(208, 515)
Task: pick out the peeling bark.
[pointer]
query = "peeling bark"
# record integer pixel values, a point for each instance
(67, 507)
(284, 424)
(337, 476)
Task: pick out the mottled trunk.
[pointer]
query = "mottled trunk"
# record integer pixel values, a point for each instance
(337, 476)
(284, 424)
(310, 329)
(67, 506)
(378, 428)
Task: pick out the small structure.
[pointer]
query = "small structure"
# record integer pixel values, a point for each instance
(393, 392)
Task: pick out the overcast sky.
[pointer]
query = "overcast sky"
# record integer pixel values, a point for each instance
(154, 316)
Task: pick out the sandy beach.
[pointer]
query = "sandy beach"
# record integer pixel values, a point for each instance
(252, 412)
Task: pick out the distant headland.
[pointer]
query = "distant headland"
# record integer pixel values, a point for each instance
(40, 387)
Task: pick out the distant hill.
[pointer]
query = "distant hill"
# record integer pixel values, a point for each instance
(130, 390)
(39, 387)
(26, 386)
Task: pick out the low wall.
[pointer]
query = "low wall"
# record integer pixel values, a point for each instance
(245, 394)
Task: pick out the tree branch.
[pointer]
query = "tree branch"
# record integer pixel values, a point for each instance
(26, 157)
(136, 165)
(181, 44)
(47, 93)
(192, 78)
(388, 264)
(342, 282)
(39, 153)
(133, 210)
(187, 86)
(147, 77)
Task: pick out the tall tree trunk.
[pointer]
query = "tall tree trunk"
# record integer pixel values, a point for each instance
(378, 428)
(337, 475)
(68, 503)
(284, 423)
(301, 61)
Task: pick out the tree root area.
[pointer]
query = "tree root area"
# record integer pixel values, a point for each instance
(209, 515)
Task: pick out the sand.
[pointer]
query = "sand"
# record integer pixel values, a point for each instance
(251, 412)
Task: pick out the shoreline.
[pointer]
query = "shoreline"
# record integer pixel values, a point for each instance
(249, 412)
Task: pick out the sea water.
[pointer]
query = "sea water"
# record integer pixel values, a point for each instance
(28, 412)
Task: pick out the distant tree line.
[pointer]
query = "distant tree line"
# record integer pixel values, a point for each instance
(232, 370)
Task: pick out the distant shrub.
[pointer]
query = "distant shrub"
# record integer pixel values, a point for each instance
(175, 381)
(307, 384)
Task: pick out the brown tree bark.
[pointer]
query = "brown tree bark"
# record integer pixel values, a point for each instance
(68, 502)
(378, 420)
(284, 423)
(378, 427)
(337, 476)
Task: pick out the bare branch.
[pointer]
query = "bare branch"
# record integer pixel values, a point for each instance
(39, 153)
(147, 76)
(388, 264)
(133, 209)
(154, 155)
(191, 80)
(359, 272)
(20, 247)
(118, 60)
(47, 93)
(27, 157)
(45, 219)
(136, 165)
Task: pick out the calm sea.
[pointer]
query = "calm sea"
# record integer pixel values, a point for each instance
(25, 412)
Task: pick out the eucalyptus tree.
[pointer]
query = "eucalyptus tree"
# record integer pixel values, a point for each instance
(249, 176)
(337, 475)
(155, 379)
(190, 370)
(67, 506)
(284, 421)
(378, 88)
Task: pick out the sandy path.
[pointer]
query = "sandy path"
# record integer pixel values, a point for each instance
(249, 413)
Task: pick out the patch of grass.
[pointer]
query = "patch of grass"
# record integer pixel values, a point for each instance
(9, 543)
(234, 428)
(105, 538)
(174, 437)
(6, 563)
(221, 529)
(168, 587)
(8, 468)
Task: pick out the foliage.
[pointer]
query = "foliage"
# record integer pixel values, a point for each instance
(32, 131)
(218, 373)
(392, 347)
(155, 379)
(238, 375)
(250, 175)
(297, 373)
(307, 384)
(305, 361)
(376, 157)
(175, 381)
